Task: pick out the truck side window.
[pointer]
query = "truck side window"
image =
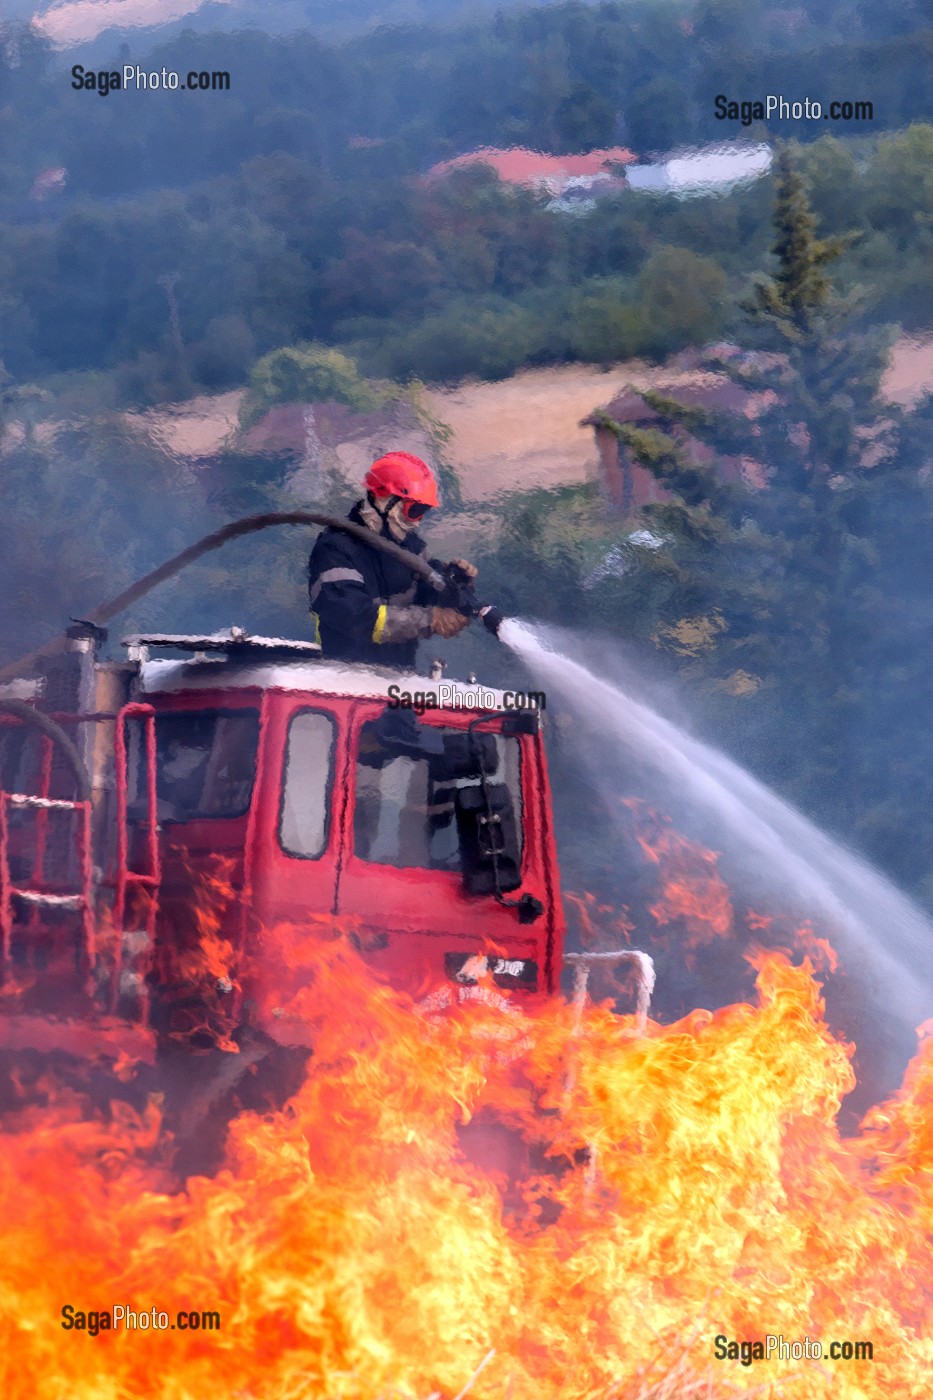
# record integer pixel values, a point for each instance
(309, 760)
(205, 763)
(406, 818)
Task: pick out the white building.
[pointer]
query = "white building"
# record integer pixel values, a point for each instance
(705, 170)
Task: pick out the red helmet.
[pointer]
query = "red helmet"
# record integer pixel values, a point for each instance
(404, 475)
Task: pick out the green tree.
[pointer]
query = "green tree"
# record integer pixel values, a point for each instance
(793, 297)
(308, 374)
(682, 297)
(802, 608)
(899, 185)
(833, 182)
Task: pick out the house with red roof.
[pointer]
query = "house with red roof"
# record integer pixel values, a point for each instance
(596, 170)
(627, 484)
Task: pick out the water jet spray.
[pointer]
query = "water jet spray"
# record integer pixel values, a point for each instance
(790, 852)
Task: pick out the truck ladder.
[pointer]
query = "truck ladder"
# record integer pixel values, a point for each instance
(33, 893)
(148, 880)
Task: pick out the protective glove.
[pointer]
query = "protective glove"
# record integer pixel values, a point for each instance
(447, 622)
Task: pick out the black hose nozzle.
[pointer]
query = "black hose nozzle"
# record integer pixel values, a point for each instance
(492, 620)
(460, 595)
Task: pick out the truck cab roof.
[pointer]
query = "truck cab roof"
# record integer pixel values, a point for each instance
(235, 659)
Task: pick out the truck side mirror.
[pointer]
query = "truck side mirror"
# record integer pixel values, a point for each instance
(488, 839)
(464, 756)
(526, 722)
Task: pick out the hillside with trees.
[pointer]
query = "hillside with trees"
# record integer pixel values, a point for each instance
(195, 233)
(798, 612)
(200, 245)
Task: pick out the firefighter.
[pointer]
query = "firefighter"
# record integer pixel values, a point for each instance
(366, 605)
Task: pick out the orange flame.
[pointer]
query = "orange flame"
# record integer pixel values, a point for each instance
(692, 892)
(595, 922)
(674, 1187)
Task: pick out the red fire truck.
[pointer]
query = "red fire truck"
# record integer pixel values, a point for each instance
(127, 787)
(311, 797)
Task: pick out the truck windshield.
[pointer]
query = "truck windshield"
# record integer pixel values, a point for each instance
(205, 762)
(405, 816)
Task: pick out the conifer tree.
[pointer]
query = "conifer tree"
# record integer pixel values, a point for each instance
(791, 297)
(820, 583)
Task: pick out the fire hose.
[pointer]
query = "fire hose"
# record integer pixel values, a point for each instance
(451, 582)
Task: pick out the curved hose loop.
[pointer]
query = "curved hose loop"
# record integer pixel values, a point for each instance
(247, 526)
(34, 718)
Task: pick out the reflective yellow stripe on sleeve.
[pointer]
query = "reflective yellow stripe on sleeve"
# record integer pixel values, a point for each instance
(380, 623)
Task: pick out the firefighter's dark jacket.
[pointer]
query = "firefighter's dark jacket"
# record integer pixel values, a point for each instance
(368, 607)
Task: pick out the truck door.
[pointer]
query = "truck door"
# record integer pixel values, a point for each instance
(401, 871)
(206, 749)
(245, 787)
(295, 844)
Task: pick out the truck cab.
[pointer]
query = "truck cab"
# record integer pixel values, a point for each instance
(413, 817)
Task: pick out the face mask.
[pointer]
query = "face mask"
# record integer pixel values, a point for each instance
(399, 524)
(414, 510)
(398, 520)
